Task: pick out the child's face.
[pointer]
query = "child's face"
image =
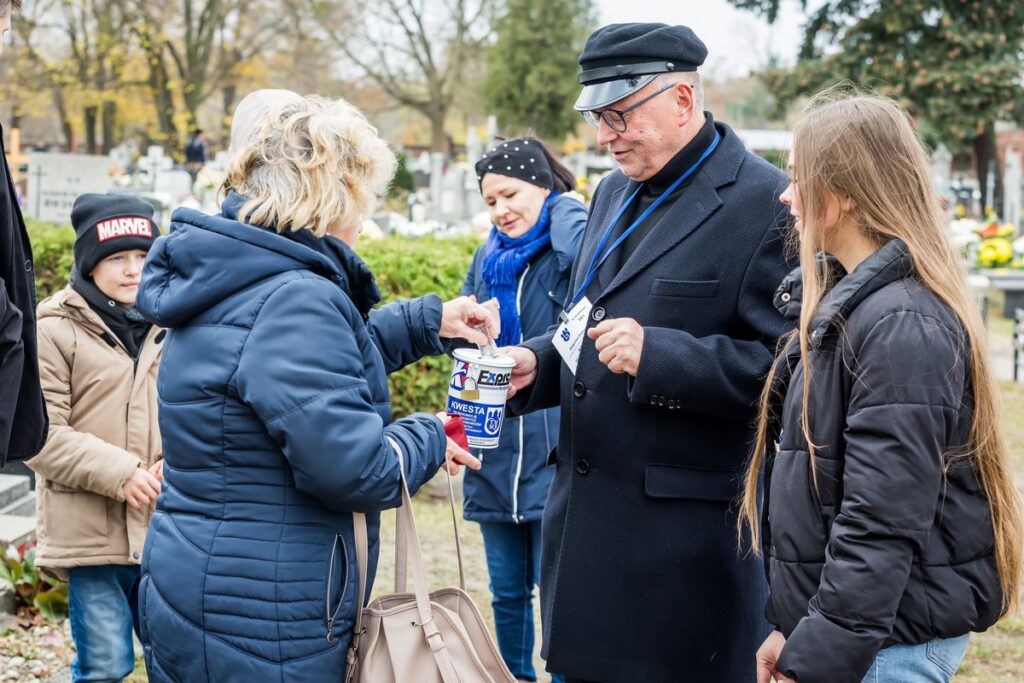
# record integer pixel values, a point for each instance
(118, 275)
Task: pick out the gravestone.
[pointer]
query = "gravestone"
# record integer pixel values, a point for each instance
(155, 164)
(54, 180)
(1013, 188)
(942, 168)
(177, 184)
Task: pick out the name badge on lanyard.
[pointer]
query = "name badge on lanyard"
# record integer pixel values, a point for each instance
(568, 339)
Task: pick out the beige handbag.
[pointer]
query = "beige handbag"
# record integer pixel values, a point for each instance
(418, 637)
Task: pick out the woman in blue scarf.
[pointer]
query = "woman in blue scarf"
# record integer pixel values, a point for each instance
(525, 265)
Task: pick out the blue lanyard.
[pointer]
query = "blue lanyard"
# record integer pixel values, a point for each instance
(596, 264)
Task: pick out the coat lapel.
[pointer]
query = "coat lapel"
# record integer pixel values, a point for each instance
(596, 229)
(698, 201)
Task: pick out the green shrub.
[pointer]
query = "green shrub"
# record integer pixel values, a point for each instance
(412, 267)
(51, 249)
(405, 268)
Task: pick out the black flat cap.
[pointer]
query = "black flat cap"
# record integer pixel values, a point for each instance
(619, 59)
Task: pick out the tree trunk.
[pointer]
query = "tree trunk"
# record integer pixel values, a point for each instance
(91, 115)
(163, 100)
(984, 157)
(228, 94)
(65, 121)
(109, 125)
(439, 141)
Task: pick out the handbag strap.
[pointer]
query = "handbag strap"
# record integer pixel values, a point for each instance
(401, 547)
(407, 523)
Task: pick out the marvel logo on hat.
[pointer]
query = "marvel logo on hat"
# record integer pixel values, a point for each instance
(109, 223)
(620, 59)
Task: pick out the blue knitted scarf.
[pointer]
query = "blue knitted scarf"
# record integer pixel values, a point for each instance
(505, 259)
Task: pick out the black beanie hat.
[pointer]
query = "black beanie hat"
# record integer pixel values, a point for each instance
(108, 223)
(521, 158)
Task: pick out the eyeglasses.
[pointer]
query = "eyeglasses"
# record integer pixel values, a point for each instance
(616, 118)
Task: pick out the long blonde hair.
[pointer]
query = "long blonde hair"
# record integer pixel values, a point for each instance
(310, 163)
(863, 147)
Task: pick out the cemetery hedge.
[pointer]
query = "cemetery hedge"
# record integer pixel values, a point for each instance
(405, 267)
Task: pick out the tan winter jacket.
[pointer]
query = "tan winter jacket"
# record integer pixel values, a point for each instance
(103, 424)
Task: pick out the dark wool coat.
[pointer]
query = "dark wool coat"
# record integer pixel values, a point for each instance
(513, 484)
(641, 579)
(274, 410)
(888, 549)
(23, 423)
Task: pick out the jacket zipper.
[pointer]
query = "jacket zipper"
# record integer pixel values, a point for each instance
(332, 616)
(519, 461)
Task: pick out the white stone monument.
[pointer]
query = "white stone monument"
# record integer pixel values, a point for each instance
(942, 168)
(174, 183)
(1013, 188)
(54, 180)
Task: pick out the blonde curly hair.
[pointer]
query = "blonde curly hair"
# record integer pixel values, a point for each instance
(310, 163)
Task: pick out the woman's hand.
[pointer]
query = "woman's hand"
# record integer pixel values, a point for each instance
(460, 316)
(455, 456)
(141, 489)
(768, 656)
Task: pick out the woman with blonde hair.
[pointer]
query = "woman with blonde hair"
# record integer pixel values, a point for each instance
(890, 523)
(274, 404)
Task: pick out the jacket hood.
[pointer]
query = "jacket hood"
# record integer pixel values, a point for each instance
(69, 304)
(888, 264)
(206, 259)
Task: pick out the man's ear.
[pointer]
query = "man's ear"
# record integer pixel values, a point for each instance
(684, 100)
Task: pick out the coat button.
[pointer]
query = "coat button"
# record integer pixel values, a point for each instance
(583, 466)
(135, 555)
(578, 389)
(28, 265)
(597, 314)
(785, 297)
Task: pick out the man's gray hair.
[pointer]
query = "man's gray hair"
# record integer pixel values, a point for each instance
(692, 79)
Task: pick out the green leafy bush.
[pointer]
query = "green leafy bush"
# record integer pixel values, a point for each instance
(405, 268)
(51, 249)
(34, 592)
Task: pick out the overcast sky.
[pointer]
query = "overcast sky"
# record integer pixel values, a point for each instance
(738, 40)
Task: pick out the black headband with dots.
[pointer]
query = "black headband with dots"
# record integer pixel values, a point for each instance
(520, 158)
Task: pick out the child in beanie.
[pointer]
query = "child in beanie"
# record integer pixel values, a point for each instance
(100, 471)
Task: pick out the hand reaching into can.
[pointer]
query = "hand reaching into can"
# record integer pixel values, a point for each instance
(460, 316)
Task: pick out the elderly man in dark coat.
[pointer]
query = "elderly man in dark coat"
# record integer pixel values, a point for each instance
(667, 336)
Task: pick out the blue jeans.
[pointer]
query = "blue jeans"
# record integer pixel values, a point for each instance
(104, 609)
(933, 662)
(513, 563)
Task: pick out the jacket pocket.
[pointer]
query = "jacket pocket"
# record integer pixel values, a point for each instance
(331, 605)
(674, 481)
(74, 518)
(694, 289)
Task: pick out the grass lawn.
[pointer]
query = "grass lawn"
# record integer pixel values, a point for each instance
(994, 657)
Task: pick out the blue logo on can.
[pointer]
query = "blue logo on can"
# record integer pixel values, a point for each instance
(492, 421)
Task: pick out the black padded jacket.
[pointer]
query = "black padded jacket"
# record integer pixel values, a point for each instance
(894, 543)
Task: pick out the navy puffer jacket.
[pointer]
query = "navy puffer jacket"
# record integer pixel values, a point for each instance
(893, 542)
(274, 411)
(512, 486)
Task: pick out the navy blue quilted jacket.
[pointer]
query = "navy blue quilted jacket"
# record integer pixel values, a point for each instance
(512, 486)
(274, 410)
